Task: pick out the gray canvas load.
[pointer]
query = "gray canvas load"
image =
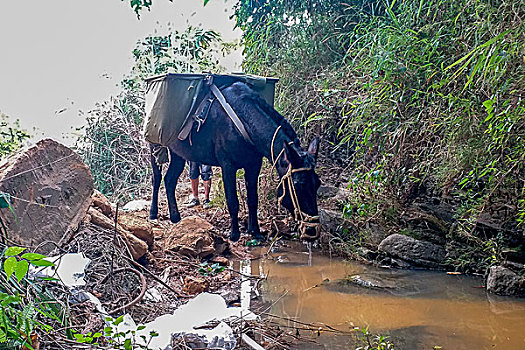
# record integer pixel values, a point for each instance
(173, 99)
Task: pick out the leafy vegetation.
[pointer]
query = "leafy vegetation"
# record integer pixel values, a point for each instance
(11, 136)
(28, 307)
(112, 143)
(422, 99)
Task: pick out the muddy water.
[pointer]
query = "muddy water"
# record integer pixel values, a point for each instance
(418, 309)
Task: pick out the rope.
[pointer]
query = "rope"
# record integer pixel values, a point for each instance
(304, 219)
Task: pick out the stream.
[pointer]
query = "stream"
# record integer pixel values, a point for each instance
(416, 309)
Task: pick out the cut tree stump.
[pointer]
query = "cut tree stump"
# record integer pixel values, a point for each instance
(50, 191)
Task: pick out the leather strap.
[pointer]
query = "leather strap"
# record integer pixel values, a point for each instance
(200, 115)
(231, 113)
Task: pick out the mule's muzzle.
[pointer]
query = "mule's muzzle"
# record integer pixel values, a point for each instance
(310, 228)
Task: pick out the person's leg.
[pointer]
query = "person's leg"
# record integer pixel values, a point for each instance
(206, 174)
(194, 178)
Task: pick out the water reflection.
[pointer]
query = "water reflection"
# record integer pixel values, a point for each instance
(419, 309)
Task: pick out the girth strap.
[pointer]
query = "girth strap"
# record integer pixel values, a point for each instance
(231, 113)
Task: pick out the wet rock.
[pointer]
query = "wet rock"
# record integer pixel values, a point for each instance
(195, 285)
(504, 281)
(416, 252)
(102, 203)
(138, 226)
(50, 191)
(356, 284)
(367, 253)
(399, 263)
(192, 237)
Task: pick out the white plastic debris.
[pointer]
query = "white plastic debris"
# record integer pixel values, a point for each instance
(137, 205)
(202, 309)
(153, 295)
(69, 268)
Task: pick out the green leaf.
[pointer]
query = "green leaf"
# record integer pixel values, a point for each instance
(33, 256)
(127, 344)
(21, 269)
(118, 320)
(12, 251)
(9, 266)
(41, 262)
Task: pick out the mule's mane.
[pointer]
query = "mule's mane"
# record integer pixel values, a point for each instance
(247, 94)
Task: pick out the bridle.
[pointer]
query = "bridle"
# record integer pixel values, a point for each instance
(305, 220)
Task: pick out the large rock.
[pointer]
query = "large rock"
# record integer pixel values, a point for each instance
(50, 191)
(191, 236)
(416, 252)
(504, 281)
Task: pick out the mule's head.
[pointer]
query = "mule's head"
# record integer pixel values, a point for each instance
(299, 184)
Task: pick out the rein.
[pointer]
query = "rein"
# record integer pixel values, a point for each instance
(304, 219)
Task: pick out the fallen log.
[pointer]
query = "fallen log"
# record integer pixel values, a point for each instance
(137, 247)
(48, 190)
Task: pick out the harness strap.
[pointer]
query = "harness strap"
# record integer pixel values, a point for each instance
(231, 113)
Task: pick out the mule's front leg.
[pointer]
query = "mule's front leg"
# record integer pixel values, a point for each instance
(156, 179)
(230, 191)
(251, 175)
(170, 182)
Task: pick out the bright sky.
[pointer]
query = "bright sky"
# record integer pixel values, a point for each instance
(71, 54)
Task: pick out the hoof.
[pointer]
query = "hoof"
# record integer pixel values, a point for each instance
(175, 219)
(258, 236)
(234, 236)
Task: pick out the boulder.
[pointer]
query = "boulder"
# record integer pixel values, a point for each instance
(140, 227)
(419, 253)
(49, 189)
(191, 236)
(504, 281)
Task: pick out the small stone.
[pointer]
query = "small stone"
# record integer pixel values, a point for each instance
(194, 285)
(102, 203)
(138, 226)
(221, 260)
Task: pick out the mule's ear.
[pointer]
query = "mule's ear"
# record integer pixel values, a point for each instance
(291, 156)
(313, 148)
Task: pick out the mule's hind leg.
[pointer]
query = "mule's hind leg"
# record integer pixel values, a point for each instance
(251, 175)
(170, 182)
(156, 179)
(230, 190)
